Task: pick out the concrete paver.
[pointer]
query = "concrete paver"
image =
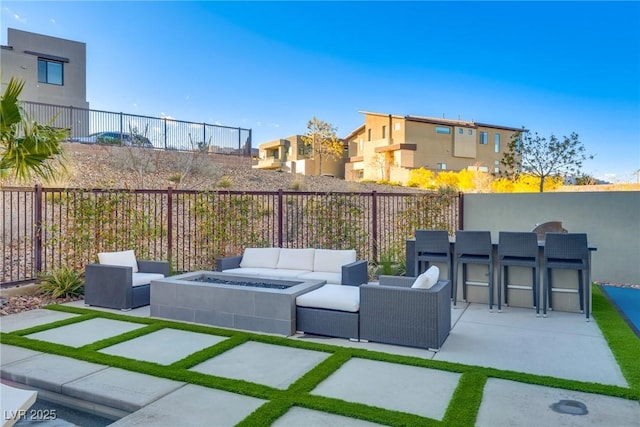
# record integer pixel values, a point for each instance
(48, 371)
(31, 318)
(121, 389)
(86, 332)
(516, 404)
(563, 345)
(296, 417)
(11, 353)
(193, 405)
(174, 345)
(271, 365)
(410, 389)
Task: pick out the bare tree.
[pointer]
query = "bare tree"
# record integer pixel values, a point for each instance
(541, 157)
(322, 140)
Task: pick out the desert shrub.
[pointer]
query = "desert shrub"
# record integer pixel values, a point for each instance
(61, 283)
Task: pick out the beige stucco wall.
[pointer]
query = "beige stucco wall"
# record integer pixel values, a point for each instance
(16, 62)
(610, 220)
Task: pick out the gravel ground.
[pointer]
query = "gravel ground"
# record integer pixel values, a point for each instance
(94, 166)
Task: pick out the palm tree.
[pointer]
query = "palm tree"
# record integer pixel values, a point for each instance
(27, 149)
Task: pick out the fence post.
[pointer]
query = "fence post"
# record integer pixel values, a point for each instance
(204, 137)
(374, 225)
(280, 213)
(460, 211)
(37, 212)
(170, 223)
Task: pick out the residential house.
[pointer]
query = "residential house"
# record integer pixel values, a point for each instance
(54, 70)
(292, 155)
(387, 147)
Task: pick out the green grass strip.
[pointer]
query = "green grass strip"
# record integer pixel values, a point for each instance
(465, 402)
(266, 414)
(320, 372)
(622, 341)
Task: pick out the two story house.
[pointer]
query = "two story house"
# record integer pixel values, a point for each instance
(292, 155)
(387, 147)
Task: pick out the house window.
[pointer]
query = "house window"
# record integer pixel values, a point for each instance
(441, 166)
(443, 129)
(384, 132)
(396, 126)
(470, 132)
(496, 143)
(50, 72)
(484, 138)
(368, 134)
(460, 131)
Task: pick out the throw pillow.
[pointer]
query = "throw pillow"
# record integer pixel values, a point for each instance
(427, 279)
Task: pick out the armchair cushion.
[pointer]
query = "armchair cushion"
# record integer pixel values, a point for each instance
(332, 297)
(260, 258)
(121, 258)
(140, 279)
(296, 259)
(427, 279)
(331, 261)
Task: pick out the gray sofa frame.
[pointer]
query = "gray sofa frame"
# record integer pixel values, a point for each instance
(394, 313)
(333, 323)
(353, 274)
(111, 286)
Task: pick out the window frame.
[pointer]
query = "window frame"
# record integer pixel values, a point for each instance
(443, 130)
(47, 78)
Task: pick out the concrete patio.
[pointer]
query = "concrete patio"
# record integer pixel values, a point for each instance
(562, 345)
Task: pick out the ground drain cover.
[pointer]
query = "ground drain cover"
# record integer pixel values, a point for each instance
(572, 407)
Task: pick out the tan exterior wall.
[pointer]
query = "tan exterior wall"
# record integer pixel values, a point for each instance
(290, 159)
(459, 149)
(610, 220)
(16, 63)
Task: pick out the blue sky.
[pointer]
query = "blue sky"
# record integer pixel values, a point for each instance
(552, 67)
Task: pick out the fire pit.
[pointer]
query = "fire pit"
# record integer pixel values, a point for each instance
(252, 303)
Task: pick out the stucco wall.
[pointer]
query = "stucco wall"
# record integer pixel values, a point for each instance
(610, 219)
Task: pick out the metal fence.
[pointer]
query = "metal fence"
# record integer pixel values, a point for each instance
(163, 132)
(44, 229)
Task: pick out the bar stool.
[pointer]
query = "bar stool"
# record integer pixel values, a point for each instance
(472, 247)
(518, 249)
(566, 251)
(432, 246)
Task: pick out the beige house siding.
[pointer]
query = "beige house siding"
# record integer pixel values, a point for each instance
(289, 155)
(20, 59)
(388, 147)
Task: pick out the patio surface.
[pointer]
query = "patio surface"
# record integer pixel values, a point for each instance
(562, 345)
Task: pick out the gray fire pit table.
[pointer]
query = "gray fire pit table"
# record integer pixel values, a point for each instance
(242, 303)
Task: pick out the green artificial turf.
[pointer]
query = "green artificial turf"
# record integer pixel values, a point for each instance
(462, 410)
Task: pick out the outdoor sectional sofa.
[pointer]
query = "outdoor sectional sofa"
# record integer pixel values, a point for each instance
(338, 267)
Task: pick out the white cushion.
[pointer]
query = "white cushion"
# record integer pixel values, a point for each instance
(330, 278)
(427, 279)
(331, 260)
(122, 258)
(260, 257)
(332, 297)
(296, 259)
(145, 278)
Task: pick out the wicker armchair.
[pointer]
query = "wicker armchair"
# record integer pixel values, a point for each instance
(395, 313)
(118, 286)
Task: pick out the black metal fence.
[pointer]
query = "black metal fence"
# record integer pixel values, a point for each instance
(163, 132)
(44, 229)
